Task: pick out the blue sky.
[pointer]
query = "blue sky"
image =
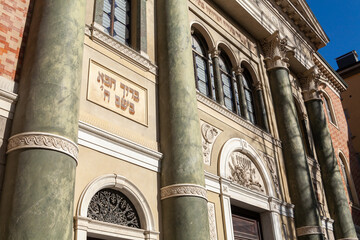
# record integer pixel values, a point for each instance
(340, 20)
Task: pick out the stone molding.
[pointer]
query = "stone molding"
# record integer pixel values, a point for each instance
(208, 136)
(98, 35)
(310, 82)
(271, 164)
(348, 239)
(276, 51)
(179, 190)
(242, 122)
(308, 230)
(43, 141)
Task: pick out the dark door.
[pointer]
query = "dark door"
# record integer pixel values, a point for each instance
(246, 224)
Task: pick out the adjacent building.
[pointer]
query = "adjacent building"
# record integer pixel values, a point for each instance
(171, 119)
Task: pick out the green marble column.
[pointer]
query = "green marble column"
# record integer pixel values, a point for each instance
(330, 172)
(37, 201)
(217, 77)
(307, 218)
(183, 197)
(240, 86)
(261, 107)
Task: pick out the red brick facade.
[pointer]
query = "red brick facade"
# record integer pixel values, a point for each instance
(13, 15)
(341, 142)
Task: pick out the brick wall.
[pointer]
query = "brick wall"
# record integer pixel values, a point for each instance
(13, 16)
(341, 142)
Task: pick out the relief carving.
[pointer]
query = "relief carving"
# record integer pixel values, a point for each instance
(209, 134)
(270, 162)
(310, 82)
(244, 172)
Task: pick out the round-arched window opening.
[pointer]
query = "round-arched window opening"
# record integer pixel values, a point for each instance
(112, 206)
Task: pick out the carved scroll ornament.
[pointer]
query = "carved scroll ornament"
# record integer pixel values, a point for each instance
(276, 51)
(209, 134)
(244, 172)
(178, 190)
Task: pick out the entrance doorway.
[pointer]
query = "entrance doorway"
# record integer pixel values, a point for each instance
(246, 224)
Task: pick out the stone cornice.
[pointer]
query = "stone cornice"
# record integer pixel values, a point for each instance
(312, 30)
(331, 77)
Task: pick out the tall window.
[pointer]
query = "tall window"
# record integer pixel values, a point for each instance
(203, 67)
(116, 19)
(231, 96)
(249, 90)
(346, 180)
(328, 109)
(303, 129)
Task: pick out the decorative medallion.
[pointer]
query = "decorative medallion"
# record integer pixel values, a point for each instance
(209, 135)
(43, 140)
(111, 206)
(242, 171)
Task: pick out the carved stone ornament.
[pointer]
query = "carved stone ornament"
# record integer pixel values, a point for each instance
(310, 82)
(308, 230)
(43, 140)
(212, 221)
(270, 162)
(111, 206)
(178, 190)
(276, 51)
(242, 171)
(209, 135)
(215, 53)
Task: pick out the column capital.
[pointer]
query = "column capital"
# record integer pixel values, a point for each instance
(310, 82)
(277, 51)
(238, 70)
(214, 53)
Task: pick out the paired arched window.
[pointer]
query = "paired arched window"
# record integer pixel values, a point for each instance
(231, 95)
(203, 67)
(234, 92)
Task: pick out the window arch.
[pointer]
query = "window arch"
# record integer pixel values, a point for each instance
(204, 77)
(345, 176)
(133, 218)
(231, 95)
(328, 108)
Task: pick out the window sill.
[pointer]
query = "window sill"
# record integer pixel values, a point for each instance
(239, 120)
(139, 59)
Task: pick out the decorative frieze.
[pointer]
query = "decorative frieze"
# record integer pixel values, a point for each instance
(308, 230)
(178, 190)
(209, 135)
(276, 51)
(243, 171)
(212, 221)
(44, 141)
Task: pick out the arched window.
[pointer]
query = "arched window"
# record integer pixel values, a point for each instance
(345, 176)
(116, 19)
(328, 109)
(202, 67)
(111, 206)
(231, 96)
(249, 96)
